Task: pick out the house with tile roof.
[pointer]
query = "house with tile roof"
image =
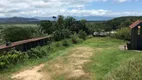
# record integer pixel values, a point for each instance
(136, 36)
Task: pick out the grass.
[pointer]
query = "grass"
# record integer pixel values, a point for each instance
(17, 25)
(107, 58)
(54, 52)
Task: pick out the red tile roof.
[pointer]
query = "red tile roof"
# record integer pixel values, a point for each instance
(135, 23)
(22, 42)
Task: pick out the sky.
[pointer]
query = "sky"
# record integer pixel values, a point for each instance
(47, 8)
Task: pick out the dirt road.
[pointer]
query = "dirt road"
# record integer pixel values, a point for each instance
(66, 67)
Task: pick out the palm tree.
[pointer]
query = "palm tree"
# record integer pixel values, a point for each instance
(54, 17)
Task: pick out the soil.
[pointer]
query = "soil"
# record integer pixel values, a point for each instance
(68, 67)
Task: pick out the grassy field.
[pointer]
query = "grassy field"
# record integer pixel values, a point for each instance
(94, 59)
(2, 26)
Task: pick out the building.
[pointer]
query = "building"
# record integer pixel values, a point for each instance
(25, 45)
(136, 36)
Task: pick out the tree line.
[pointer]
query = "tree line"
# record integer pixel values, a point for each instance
(62, 27)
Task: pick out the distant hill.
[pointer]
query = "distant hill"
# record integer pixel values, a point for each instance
(94, 18)
(18, 20)
(88, 18)
(37, 19)
(117, 22)
(125, 21)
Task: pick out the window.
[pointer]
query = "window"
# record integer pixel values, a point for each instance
(139, 29)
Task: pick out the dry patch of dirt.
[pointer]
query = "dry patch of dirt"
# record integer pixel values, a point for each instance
(123, 47)
(69, 67)
(33, 74)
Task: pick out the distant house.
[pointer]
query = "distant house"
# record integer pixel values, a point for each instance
(136, 36)
(102, 34)
(25, 45)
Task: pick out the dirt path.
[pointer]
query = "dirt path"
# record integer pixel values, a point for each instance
(67, 67)
(33, 74)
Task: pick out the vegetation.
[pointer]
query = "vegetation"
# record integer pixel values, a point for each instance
(3, 26)
(18, 33)
(61, 34)
(108, 62)
(118, 23)
(63, 27)
(46, 26)
(9, 59)
(31, 27)
(123, 33)
(75, 38)
(111, 63)
(82, 34)
(114, 24)
(130, 70)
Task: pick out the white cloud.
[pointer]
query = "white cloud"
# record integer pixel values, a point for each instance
(121, 1)
(45, 8)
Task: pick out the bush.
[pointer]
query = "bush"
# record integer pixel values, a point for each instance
(11, 58)
(35, 32)
(65, 43)
(46, 26)
(75, 39)
(61, 34)
(57, 44)
(17, 33)
(123, 34)
(82, 34)
(37, 52)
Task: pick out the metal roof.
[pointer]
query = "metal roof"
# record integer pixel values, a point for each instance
(23, 42)
(136, 23)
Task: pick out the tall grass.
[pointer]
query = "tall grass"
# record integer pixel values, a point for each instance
(129, 70)
(107, 58)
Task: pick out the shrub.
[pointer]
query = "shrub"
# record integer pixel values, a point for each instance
(75, 39)
(35, 32)
(82, 34)
(123, 34)
(16, 33)
(37, 52)
(46, 26)
(10, 58)
(65, 43)
(61, 34)
(57, 44)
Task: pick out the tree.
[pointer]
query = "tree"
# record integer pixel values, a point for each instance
(84, 26)
(82, 34)
(69, 21)
(46, 26)
(123, 33)
(16, 33)
(60, 22)
(61, 34)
